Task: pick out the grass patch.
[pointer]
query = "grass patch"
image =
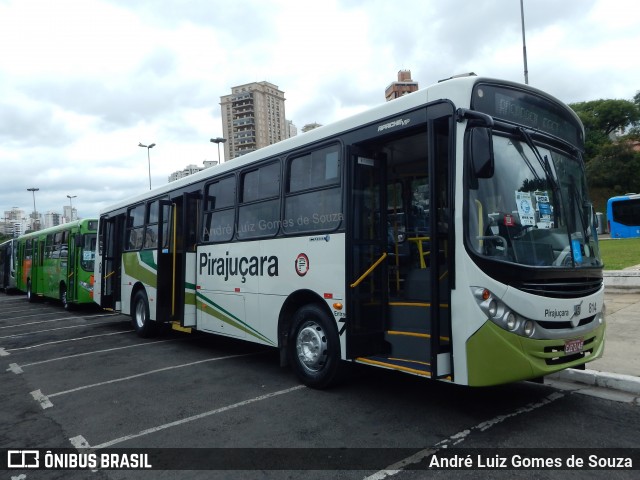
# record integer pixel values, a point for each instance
(620, 253)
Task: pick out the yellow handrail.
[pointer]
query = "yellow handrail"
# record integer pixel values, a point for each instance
(371, 269)
(421, 253)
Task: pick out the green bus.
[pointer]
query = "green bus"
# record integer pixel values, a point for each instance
(57, 263)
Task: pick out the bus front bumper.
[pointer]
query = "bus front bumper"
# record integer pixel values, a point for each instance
(495, 356)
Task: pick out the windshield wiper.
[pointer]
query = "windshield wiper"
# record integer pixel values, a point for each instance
(544, 163)
(580, 203)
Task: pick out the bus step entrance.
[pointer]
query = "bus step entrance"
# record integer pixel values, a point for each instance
(179, 328)
(409, 337)
(389, 361)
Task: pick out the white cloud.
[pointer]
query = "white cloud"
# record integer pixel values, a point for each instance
(84, 81)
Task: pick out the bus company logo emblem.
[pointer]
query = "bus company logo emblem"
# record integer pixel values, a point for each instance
(302, 265)
(577, 309)
(324, 238)
(396, 123)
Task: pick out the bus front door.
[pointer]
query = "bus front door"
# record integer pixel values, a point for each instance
(366, 278)
(401, 248)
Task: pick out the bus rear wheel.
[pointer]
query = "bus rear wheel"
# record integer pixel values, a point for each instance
(144, 326)
(30, 296)
(63, 298)
(314, 347)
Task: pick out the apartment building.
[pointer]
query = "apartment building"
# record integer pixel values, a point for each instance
(403, 86)
(253, 116)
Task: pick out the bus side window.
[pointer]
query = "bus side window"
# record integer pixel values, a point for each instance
(151, 230)
(219, 206)
(135, 227)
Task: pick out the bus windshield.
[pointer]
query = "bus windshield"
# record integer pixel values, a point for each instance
(534, 209)
(88, 252)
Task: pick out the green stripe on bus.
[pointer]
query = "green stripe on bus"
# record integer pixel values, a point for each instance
(134, 268)
(215, 310)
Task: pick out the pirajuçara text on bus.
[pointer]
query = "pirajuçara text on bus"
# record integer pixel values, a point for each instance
(447, 234)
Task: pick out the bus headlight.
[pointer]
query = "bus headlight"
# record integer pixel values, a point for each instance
(511, 321)
(492, 308)
(529, 328)
(500, 314)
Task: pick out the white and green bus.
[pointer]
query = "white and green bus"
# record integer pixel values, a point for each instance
(447, 234)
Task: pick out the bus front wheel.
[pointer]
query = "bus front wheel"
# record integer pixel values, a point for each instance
(144, 326)
(314, 347)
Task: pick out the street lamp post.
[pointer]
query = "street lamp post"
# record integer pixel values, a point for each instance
(148, 147)
(71, 206)
(218, 140)
(524, 45)
(34, 216)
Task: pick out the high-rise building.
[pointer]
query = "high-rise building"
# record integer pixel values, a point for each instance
(252, 117)
(310, 126)
(403, 86)
(191, 169)
(52, 219)
(69, 213)
(15, 222)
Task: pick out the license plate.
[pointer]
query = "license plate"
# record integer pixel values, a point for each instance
(573, 346)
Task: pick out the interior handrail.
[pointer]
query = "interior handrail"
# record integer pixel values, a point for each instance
(369, 270)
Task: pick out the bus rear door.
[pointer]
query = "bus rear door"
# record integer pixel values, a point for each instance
(110, 261)
(177, 260)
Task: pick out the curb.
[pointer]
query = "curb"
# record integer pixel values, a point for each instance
(594, 378)
(622, 281)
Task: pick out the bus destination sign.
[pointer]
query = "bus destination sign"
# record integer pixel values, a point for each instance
(527, 109)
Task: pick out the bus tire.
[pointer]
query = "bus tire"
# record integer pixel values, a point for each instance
(30, 296)
(63, 298)
(314, 347)
(144, 326)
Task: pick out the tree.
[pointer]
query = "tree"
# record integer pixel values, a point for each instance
(616, 168)
(607, 116)
(634, 133)
(611, 162)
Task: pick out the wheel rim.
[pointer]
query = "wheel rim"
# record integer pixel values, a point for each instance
(64, 298)
(141, 314)
(311, 346)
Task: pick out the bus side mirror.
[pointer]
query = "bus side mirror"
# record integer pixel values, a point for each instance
(77, 240)
(481, 151)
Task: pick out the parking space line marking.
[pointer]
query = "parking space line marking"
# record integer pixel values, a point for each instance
(18, 325)
(15, 368)
(42, 399)
(32, 315)
(54, 329)
(4, 353)
(150, 372)
(12, 369)
(61, 341)
(459, 437)
(80, 440)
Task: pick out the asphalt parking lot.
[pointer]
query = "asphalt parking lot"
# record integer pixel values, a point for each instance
(84, 380)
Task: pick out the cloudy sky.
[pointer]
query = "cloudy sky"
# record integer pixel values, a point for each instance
(83, 82)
